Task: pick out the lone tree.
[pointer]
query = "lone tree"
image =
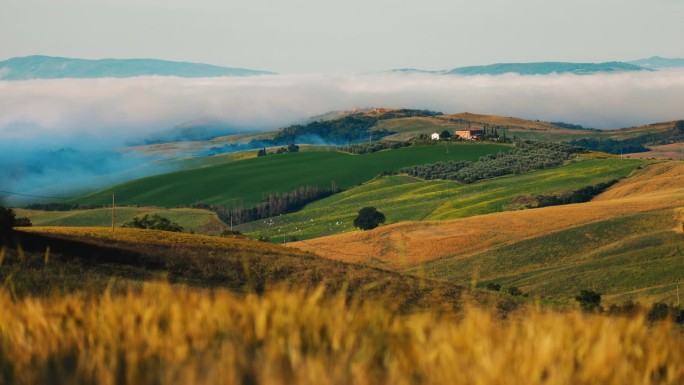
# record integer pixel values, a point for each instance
(589, 300)
(369, 218)
(445, 134)
(153, 222)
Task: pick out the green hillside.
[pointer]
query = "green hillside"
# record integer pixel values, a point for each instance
(246, 182)
(403, 198)
(635, 257)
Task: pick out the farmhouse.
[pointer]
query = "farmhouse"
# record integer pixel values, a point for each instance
(435, 136)
(470, 134)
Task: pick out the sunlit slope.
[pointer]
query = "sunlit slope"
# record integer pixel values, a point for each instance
(42, 261)
(199, 221)
(246, 182)
(636, 256)
(403, 198)
(476, 246)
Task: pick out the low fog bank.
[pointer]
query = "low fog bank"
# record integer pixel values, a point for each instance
(52, 172)
(89, 119)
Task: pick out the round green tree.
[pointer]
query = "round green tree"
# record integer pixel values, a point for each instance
(589, 300)
(369, 218)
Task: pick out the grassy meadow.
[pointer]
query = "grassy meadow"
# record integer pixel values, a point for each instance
(404, 198)
(246, 182)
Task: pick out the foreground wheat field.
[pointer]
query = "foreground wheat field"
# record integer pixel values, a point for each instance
(176, 335)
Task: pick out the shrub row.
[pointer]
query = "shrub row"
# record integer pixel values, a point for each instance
(528, 156)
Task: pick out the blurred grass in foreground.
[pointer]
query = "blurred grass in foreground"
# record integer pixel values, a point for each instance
(177, 335)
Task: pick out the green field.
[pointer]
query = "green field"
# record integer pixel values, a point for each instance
(403, 198)
(199, 221)
(635, 257)
(246, 182)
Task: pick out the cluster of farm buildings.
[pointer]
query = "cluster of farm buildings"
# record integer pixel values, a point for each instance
(465, 134)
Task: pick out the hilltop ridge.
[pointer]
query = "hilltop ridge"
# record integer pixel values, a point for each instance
(48, 67)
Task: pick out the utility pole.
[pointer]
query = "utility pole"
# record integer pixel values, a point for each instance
(113, 211)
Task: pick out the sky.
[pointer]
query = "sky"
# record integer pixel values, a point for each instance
(325, 36)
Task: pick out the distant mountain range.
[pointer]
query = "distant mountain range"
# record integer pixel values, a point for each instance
(47, 67)
(657, 62)
(545, 68)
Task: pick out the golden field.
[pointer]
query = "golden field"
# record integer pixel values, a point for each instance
(176, 335)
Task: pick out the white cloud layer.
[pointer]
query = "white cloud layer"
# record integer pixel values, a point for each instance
(106, 113)
(128, 108)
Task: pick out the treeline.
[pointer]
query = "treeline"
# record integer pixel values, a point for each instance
(636, 144)
(61, 207)
(272, 205)
(367, 148)
(349, 129)
(528, 156)
(613, 146)
(572, 126)
(657, 312)
(584, 194)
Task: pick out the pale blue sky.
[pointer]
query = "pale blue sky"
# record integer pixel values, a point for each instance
(296, 36)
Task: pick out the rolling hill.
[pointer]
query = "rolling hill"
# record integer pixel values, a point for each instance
(44, 261)
(246, 182)
(627, 243)
(47, 67)
(404, 198)
(406, 128)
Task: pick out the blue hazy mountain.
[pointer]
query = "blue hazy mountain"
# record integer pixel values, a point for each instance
(47, 67)
(657, 62)
(416, 71)
(546, 68)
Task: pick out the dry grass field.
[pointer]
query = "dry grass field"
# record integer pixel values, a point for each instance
(166, 334)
